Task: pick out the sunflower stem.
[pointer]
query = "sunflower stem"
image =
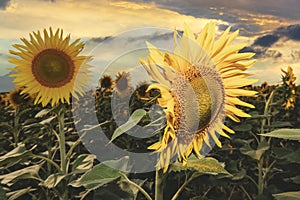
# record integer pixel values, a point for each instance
(159, 186)
(62, 147)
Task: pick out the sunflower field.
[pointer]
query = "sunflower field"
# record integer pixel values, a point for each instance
(200, 130)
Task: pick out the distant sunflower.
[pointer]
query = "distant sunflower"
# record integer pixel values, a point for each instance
(49, 67)
(16, 98)
(122, 84)
(106, 82)
(141, 90)
(199, 86)
(288, 80)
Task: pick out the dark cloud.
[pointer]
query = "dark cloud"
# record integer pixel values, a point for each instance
(243, 14)
(262, 52)
(153, 37)
(6, 83)
(223, 27)
(266, 40)
(282, 8)
(4, 3)
(100, 39)
(292, 31)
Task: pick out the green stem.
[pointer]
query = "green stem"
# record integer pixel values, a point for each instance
(260, 181)
(49, 161)
(139, 188)
(159, 186)
(245, 192)
(62, 148)
(187, 181)
(62, 141)
(260, 184)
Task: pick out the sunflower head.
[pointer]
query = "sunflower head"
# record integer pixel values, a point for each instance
(49, 67)
(141, 91)
(289, 77)
(289, 86)
(17, 98)
(122, 84)
(4, 100)
(199, 84)
(106, 82)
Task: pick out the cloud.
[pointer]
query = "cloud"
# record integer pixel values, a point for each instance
(251, 17)
(6, 83)
(270, 45)
(4, 4)
(90, 18)
(291, 31)
(266, 40)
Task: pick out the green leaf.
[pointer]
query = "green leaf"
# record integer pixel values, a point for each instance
(243, 127)
(134, 119)
(255, 154)
(83, 163)
(14, 155)
(25, 173)
(280, 125)
(53, 180)
(18, 193)
(47, 121)
(6, 125)
(287, 196)
(102, 174)
(290, 134)
(293, 157)
(2, 194)
(205, 165)
(43, 112)
(295, 179)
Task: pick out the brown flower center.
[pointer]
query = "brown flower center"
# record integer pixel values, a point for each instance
(53, 68)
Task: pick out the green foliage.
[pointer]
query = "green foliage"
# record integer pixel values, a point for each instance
(266, 144)
(290, 134)
(205, 165)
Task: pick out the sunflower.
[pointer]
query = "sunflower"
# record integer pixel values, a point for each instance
(17, 98)
(106, 82)
(141, 90)
(122, 84)
(288, 80)
(199, 85)
(49, 67)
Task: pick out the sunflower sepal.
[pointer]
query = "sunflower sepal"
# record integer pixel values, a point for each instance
(206, 165)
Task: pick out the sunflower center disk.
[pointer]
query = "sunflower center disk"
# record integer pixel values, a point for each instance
(200, 101)
(194, 105)
(53, 68)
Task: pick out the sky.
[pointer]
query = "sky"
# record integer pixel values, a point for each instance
(115, 31)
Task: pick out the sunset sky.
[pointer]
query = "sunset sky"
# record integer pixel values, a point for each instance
(111, 29)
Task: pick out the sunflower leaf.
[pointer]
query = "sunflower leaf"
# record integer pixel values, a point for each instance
(255, 153)
(102, 174)
(287, 196)
(53, 180)
(14, 155)
(290, 134)
(43, 112)
(134, 119)
(205, 165)
(18, 193)
(24, 173)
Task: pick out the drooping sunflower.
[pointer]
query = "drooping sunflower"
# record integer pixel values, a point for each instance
(141, 90)
(199, 84)
(288, 80)
(122, 84)
(17, 98)
(50, 67)
(106, 82)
